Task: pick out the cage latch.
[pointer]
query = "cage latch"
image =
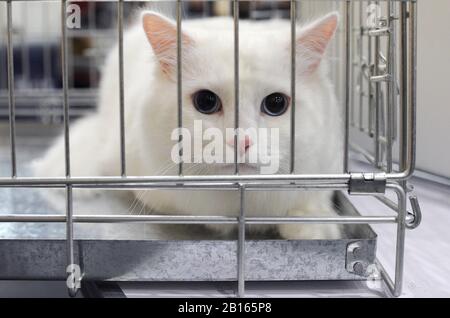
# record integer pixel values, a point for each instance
(365, 183)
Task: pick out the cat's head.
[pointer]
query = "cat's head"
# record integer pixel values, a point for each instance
(265, 101)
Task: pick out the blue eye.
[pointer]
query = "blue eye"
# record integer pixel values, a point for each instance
(275, 104)
(206, 102)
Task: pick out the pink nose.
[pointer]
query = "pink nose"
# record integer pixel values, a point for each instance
(243, 144)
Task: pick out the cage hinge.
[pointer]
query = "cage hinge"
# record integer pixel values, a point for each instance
(365, 183)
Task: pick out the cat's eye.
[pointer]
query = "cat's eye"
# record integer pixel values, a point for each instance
(275, 104)
(206, 102)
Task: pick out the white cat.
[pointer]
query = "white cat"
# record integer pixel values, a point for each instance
(208, 95)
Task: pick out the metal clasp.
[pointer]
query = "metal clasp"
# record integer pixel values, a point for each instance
(366, 183)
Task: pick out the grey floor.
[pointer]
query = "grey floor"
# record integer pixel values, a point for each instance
(427, 257)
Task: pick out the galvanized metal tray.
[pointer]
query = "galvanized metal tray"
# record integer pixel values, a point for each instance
(138, 252)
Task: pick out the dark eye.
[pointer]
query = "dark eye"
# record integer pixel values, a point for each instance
(275, 104)
(206, 102)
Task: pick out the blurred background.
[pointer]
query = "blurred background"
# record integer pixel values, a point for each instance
(37, 69)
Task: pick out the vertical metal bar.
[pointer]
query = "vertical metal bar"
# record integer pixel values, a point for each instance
(361, 104)
(121, 89)
(391, 84)
(412, 102)
(346, 81)
(241, 243)
(236, 83)
(69, 235)
(353, 64)
(400, 245)
(179, 86)
(377, 103)
(12, 104)
(293, 83)
(64, 73)
(69, 210)
(370, 109)
(403, 150)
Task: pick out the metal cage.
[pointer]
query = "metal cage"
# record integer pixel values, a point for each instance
(379, 97)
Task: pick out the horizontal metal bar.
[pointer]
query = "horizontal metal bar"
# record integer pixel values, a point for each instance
(198, 187)
(304, 179)
(379, 32)
(298, 179)
(380, 78)
(191, 219)
(148, 1)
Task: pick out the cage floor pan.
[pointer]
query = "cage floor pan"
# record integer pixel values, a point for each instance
(140, 252)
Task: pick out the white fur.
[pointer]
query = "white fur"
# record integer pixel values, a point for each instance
(151, 115)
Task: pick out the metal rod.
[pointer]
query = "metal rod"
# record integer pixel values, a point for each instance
(400, 245)
(64, 74)
(370, 100)
(412, 101)
(179, 85)
(403, 131)
(236, 83)
(69, 236)
(299, 179)
(12, 106)
(378, 160)
(69, 220)
(391, 84)
(191, 219)
(361, 71)
(346, 81)
(241, 243)
(293, 18)
(354, 64)
(410, 163)
(121, 89)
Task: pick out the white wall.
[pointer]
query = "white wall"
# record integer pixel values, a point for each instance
(433, 86)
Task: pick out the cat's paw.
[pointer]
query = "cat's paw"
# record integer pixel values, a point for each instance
(310, 231)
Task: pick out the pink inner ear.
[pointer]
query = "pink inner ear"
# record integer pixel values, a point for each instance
(315, 38)
(162, 35)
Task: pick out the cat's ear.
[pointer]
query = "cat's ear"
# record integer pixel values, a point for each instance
(313, 41)
(162, 35)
